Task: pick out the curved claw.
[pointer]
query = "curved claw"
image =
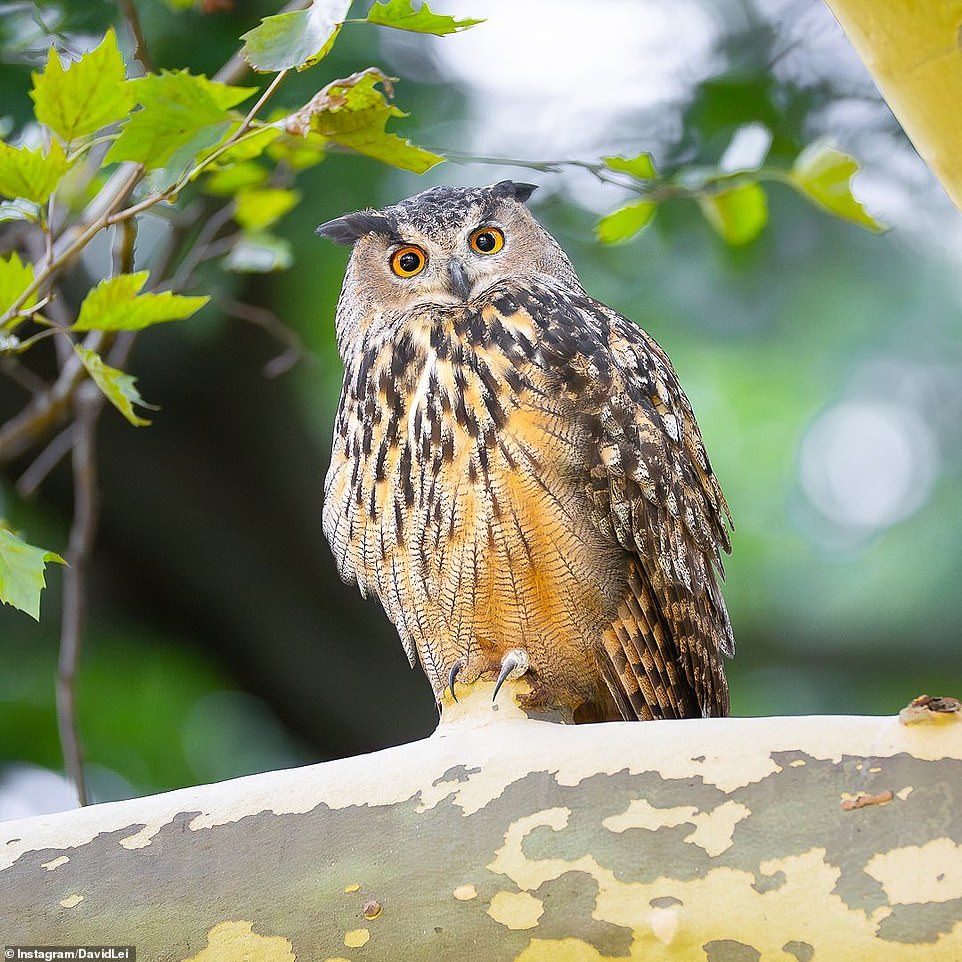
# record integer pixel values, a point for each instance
(452, 676)
(513, 665)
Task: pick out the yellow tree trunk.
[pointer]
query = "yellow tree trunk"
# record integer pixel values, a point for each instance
(912, 48)
(833, 839)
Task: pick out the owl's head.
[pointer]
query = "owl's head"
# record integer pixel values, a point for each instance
(445, 247)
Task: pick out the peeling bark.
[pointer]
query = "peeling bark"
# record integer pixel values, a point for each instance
(503, 837)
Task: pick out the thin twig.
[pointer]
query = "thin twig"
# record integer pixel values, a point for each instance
(264, 97)
(87, 405)
(243, 132)
(29, 342)
(125, 237)
(196, 254)
(274, 326)
(14, 369)
(70, 243)
(47, 226)
(596, 168)
(657, 189)
(141, 53)
(45, 462)
(120, 351)
(176, 222)
(220, 247)
(46, 410)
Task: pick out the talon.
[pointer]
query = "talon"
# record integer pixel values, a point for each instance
(513, 665)
(452, 676)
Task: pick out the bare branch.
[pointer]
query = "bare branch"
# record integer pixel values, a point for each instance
(88, 402)
(141, 54)
(274, 326)
(14, 369)
(197, 253)
(46, 461)
(264, 97)
(47, 410)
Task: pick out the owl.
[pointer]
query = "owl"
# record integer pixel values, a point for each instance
(516, 472)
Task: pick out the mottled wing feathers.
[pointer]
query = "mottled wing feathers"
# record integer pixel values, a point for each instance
(665, 505)
(652, 486)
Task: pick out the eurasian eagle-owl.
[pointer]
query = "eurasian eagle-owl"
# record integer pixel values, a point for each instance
(517, 473)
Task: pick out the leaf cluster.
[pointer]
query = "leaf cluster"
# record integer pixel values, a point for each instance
(136, 146)
(734, 203)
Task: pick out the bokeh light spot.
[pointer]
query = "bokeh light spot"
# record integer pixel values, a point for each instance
(868, 464)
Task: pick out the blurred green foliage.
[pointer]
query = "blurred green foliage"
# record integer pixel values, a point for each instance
(824, 364)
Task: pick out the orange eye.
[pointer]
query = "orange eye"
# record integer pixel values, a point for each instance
(487, 240)
(408, 261)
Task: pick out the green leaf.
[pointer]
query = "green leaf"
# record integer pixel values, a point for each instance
(250, 146)
(256, 209)
(641, 167)
(15, 278)
(824, 175)
(21, 572)
(299, 39)
(31, 174)
(298, 152)
(117, 386)
(259, 254)
(624, 223)
(402, 15)
(233, 169)
(190, 154)
(230, 180)
(116, 305)
(89, 94)
(183, 115)
(354, 113)
(738, 213)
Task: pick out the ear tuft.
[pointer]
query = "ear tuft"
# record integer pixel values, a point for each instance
(347, 229)
(514, 190)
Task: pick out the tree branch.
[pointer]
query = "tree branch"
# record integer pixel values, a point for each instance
(88, 402)
(141, 54)
(48, 409)
(500, 837)
(274, 326)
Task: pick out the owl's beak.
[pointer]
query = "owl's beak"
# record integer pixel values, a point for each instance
(459, 283)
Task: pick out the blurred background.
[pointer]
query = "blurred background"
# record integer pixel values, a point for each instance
(824, 364)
